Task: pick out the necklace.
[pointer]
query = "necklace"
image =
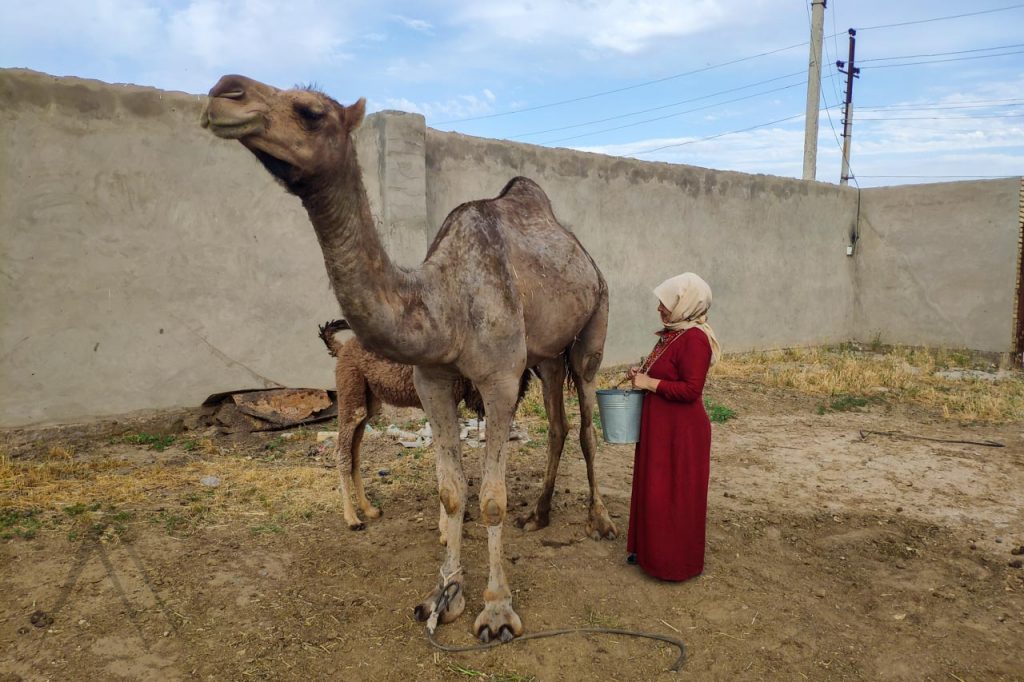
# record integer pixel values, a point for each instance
(659, 349)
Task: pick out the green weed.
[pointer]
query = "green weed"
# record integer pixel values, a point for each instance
(846, 403)
(153, 441)
(717, 412)
(81, 508)
(20, 524)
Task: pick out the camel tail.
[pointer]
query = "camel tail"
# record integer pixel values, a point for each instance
(327, 332)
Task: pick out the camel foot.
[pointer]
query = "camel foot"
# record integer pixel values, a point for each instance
(454, 608)
(357, 525)
(534, 521)
(600, 525)
(371, 512)
(498, 621)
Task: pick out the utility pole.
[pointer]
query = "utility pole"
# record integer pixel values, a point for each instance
(851, 73)
(813, 91)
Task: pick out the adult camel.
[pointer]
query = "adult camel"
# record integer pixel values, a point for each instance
(503, 287)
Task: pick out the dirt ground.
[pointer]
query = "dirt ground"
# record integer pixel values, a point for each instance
(831, 555)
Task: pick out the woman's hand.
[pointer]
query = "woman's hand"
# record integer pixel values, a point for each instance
(645, 382)
(632, 372)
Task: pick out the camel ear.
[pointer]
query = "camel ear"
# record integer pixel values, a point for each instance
(355, 113)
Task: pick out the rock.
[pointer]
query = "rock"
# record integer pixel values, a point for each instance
(384, 472)
(210, 481)
(1017, 551)
(961, 374)
(1016, 563)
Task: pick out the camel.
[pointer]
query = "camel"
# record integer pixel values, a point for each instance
(365, 381)
(503, 287)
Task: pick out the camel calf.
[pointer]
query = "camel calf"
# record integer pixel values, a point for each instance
(365, 381)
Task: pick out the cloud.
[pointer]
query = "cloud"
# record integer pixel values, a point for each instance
(415, 24)
(623, 26)
(953, 143)
(461, 106)
(114, 28)
(179, 46)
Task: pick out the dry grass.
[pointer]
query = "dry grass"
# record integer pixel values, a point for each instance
(276, 481)
(249, 484)
(899, 375)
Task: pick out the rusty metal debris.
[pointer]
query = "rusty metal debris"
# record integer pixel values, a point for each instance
(268, 409)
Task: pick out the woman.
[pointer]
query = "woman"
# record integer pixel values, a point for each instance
(670, 470)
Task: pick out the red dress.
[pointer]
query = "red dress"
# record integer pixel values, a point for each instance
(668, 509)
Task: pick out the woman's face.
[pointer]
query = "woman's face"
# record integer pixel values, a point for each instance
(664, 312)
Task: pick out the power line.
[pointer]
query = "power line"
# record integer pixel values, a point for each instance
(943, 54)
(714, 137)
(941, 118)
(970, 104)
(952, 16)
(658, 108)
(711, 67)
(942, 176)
(835, 45)
(942, 61)
(833, 79)
(626, 88)
(678, 113)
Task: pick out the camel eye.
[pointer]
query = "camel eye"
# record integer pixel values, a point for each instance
(310, 113)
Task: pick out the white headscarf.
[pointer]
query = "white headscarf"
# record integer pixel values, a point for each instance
(688, 299)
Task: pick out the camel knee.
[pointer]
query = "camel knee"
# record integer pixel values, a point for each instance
(451, 500)
(493, 507)
(590, 364)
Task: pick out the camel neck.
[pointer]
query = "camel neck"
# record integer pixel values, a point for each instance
(377, 297)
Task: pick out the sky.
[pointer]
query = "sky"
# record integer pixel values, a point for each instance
(717, 84)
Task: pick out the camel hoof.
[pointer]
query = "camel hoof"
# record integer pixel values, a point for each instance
(600, 526)
(533, 522)
(498, 621)
(358, 525)
(372, 512)
(453, 610)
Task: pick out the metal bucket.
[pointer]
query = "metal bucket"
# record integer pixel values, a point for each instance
(620, 414)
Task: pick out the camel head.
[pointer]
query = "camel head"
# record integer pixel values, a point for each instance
(298, 135)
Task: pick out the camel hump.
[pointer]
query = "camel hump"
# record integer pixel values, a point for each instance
(327, 332)
(523, 186)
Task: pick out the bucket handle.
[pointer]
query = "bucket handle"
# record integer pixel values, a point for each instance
(625, 378)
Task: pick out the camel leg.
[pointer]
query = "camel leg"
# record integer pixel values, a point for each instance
(552, 376)
(369, 511)
(584, 361)
(436, 392)
(498, 618)
(351, 413)
(442, 525)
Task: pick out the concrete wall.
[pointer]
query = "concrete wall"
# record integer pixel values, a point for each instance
(938, 264)
(147, 264)
(773, 249)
